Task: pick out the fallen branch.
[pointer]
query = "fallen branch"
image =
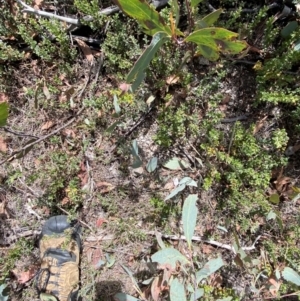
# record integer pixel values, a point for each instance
(211, 242)
(107, 11)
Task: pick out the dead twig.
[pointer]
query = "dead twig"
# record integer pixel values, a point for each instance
(8, 130)
(211, 242)
(27, 146)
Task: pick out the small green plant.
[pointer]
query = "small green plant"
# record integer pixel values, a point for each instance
(209, 41)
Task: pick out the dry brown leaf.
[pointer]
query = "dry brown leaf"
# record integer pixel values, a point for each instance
(259, 124)
(3, 145)
(86, 50)
(23, 277)
(207, 249)
(173, 79)
(216, 280)
(65, 201)
(169, 185)
(47, 125)
(156, 288)
(46, 92)
(105, 187)
(282, 183)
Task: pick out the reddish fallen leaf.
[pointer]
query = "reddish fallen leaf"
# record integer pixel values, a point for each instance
(124, 87)
(96, 257)
(86, 50)
(275, 285)
(23, 277)
(100, 221)
(156, 288)
(3, 145)
(83, 175)
(47, 125)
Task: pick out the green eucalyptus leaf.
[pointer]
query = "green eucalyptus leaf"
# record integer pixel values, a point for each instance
(176, 164)
(175, 191)
(147, 16)
(170, 256)
(209, 268)
(152, 164)
(177, 291)
(290, 275)
(137, 72)
(198, 294)
(189, 217)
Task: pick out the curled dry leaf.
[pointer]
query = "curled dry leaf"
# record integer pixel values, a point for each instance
(156, 288)
(259, 124)
(105, 187)
(282, 183)
(47, 125)
(23, 277)
(173, 79)
(86, 50)
(3, 145)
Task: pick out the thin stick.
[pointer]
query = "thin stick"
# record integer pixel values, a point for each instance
(8, 130)
(82, 222)
(211, 242)
(24, 148)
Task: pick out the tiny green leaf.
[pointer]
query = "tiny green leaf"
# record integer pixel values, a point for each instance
(3, 113)
(169, 255)
(189, 217)
(47, 297)
(198, 294)
(116, 104)
(209, 268)
(152, 164)
(175, 191)
(210, 19)
(274, 198)
(177, 292)
(194, 3)
(135, 148)
(290, 275)
(176, 164)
